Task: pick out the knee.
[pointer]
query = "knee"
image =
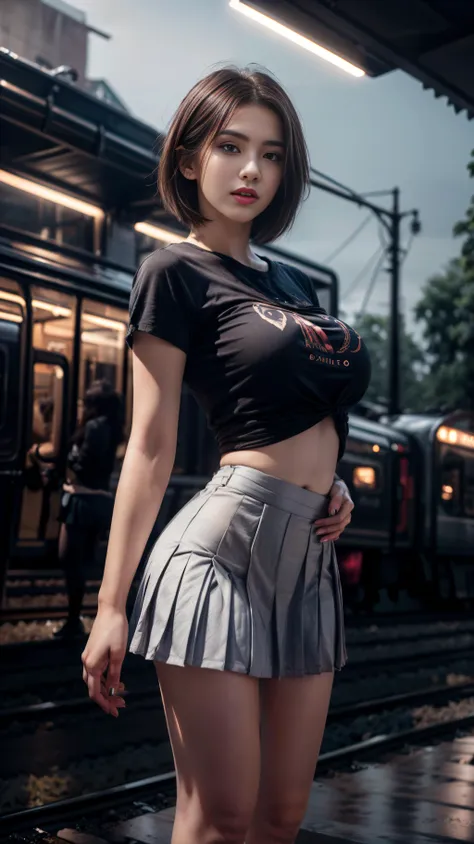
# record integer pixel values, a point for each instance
(229, 828)
(280, 822)
(216, 822)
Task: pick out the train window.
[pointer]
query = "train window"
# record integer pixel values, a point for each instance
(12, 302)
(12, 314)
(47, 219)
(365, 478)
(451, 485)
(103, 330)
(53, 321)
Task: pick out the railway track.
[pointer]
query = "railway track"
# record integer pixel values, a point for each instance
(53, 671)
(83, 806)
(82, 705)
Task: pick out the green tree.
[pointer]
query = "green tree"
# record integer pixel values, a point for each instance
(375, 331)
(446, 308)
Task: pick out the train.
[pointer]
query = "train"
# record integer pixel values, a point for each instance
(78, 213)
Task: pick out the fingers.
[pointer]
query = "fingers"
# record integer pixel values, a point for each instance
(113, 670)
(344, 512)
(101, 690)
(330, 529)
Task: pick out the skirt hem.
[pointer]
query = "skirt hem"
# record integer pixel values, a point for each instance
(217, 665)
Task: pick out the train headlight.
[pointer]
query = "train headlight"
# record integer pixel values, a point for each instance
(454, 436)
(364, 477)
(447, 492)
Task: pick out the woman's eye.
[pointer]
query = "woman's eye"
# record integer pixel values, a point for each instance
(223, 146)
(277, 156)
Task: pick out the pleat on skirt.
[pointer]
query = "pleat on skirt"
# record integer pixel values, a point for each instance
(239, 581)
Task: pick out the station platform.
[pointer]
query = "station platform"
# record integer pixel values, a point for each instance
(421, 797)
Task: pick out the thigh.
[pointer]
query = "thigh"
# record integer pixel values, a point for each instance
(213, 722)
(294, 712)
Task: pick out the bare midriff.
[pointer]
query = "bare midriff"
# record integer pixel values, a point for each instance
(307, 459)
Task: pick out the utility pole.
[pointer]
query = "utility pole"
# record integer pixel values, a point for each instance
(394, 334)
(391, 220)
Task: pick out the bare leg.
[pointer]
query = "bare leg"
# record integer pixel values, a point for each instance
(213, 723)
(294, 711)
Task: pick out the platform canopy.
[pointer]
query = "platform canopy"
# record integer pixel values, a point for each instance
(53, 132)
(432, 40)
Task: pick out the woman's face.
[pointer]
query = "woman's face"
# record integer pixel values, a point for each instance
(247, 153)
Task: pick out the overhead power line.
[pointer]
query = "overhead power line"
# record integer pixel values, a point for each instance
(371, 285)
(348, 240)
(380, 252)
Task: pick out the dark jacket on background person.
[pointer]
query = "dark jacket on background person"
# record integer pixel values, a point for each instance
(93, 460)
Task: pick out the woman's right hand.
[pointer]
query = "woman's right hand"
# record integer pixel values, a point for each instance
(103, 656)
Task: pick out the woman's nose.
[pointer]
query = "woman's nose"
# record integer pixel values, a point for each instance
(250, 170)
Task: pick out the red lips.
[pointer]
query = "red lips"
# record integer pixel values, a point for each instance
(246, 192)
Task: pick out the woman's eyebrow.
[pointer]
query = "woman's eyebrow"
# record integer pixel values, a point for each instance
(245, 138)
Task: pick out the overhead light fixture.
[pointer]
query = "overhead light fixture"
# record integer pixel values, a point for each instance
(8, 317)
(298, 39)
(55, 310)
(95, 340)
(12, 297)
(111, 324)
(159, 233)
(51, 195)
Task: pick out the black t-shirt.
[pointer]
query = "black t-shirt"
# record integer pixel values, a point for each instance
(264, 360)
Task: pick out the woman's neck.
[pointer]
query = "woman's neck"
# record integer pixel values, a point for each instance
(235, 248)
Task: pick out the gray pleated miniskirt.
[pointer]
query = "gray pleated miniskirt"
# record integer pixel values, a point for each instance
(239, 581)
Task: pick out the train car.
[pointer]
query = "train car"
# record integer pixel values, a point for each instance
(443, 445)
(411, 540)
(78, 213)
(378, 468)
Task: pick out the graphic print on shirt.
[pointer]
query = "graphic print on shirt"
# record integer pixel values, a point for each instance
(314, 336)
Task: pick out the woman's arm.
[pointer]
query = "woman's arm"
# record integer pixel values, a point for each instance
(157, 378)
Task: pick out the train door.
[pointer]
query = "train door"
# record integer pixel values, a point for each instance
(44, 463)
(12, 321)
(46, 419)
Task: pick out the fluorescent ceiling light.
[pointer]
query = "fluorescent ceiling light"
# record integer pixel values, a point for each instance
(298, 39)
(158, 233)
(96, 340)
(52, 195)
(12, 297)
(56, 310)
(104, 322)
(10, 317)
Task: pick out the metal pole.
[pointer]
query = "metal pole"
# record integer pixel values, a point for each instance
(394, 336)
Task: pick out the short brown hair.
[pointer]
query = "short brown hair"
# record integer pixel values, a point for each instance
(202, 114)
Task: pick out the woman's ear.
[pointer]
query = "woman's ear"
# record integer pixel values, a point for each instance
(186, 165)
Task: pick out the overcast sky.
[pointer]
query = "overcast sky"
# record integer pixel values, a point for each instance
(369, 134)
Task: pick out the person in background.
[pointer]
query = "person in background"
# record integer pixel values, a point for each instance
(87, 502)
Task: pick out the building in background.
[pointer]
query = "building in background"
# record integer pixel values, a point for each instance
(53, 34)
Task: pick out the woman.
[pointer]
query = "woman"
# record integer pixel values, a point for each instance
(240, 604)
(87, 503)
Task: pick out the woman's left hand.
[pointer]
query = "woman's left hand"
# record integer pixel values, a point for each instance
(340, 509)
